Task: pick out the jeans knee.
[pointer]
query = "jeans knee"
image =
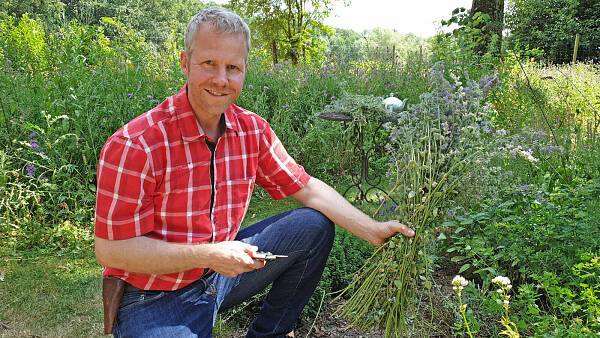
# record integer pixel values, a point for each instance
(319, 225)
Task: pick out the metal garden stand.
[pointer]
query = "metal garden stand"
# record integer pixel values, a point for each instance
(364, 181)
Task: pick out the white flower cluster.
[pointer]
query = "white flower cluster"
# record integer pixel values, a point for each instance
(505, 285)
(503, 281)
(459, 283)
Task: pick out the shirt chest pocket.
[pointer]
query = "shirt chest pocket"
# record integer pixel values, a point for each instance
(232, 199)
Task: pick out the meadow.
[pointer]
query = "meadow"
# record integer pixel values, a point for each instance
(525, 208)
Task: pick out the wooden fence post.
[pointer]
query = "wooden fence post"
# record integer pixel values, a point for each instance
(576, 47)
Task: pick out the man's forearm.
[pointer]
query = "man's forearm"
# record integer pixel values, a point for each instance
(320, 196)
(324, 198)
(150, 256)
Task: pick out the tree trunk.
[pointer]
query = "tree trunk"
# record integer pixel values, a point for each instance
(495, 9)
(274, 52)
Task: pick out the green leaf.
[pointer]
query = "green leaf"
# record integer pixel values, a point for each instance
(449, 224)
(457, 258)
(531, 309)
(442, 236)
(464, 267)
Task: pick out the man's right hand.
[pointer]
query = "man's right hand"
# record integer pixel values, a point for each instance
(232, 258)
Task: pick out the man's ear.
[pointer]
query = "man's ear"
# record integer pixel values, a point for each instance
(183, 60)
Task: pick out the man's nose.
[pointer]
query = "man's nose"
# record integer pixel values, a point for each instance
(220, 76)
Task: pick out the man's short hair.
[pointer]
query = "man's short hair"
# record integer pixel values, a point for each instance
(222, 20)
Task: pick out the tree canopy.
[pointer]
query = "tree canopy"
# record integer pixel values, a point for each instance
(153, 19)
(289, 28)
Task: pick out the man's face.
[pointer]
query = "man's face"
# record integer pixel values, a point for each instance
(215, 71)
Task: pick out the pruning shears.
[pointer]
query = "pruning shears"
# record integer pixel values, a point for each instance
(264, 256)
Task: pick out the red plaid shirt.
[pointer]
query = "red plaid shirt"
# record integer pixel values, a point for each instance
(154, 180)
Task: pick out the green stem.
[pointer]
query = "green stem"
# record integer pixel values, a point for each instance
(462, 312)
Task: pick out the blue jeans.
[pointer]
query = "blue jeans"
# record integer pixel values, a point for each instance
(304, 235)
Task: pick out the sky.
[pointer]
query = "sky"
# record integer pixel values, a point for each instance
(420, 17)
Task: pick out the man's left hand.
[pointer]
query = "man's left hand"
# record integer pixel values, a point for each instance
(385, 230)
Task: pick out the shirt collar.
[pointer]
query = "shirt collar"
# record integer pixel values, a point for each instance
(189, 126)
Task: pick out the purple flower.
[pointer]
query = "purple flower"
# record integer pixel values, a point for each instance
(333, 97)
(266, 87)
(30, 168)
(149, 96)
(94, 71)
(307, 43)
(32, 135)
(8, 61)
(286, 106)
(250, 86)
(153, 101)
(34, 145)
(42, 153)
(130, 94)
(44, 178)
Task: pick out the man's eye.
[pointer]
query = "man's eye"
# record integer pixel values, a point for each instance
(233, 67)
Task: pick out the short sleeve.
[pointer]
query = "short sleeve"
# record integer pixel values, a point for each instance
(124, 204)
(277, 172)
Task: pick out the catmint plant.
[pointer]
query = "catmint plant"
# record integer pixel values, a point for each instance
(434, 145)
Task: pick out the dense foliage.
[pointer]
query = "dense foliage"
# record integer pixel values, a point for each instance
(552, 26)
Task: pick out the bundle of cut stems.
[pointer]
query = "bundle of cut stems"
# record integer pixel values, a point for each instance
(385, 288)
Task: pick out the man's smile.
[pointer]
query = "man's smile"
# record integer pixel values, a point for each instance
(215, 93)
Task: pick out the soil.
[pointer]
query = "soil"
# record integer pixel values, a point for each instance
(328, 325)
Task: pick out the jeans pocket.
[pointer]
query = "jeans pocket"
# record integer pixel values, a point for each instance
(134, 298)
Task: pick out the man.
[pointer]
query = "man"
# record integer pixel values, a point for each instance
(174, 185)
